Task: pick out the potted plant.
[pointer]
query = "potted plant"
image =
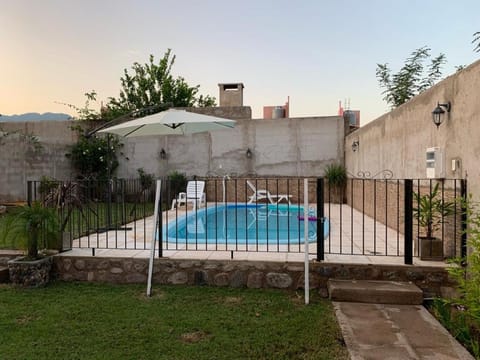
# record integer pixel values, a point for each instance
(336, 176)
(430, 213)
(33, 226)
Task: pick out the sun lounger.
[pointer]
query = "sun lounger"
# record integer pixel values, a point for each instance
(262, 194)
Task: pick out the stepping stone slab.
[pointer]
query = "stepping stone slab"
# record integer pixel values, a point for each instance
(375, 292)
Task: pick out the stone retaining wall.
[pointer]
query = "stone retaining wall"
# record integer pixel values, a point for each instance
(251, 274)
(7, 255)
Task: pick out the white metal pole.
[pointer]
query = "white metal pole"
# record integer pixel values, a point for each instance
(154, 235)
(305, 224)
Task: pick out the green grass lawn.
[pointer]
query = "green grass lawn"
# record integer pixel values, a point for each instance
(93, 321)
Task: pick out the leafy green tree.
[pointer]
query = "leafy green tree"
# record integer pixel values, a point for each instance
(85, 112)
(152, 84)
(412, 79)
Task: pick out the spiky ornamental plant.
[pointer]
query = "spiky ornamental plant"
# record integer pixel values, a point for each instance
(31, 222)
(336, 175)
(431, 210)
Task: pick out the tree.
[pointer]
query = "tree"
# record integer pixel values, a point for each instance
(151, 85)
(476, 39)
(85, 112)
(412, 79)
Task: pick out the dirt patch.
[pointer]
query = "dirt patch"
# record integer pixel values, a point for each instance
(233, 300)
(23, 320)
(194, 337)
(156, 295)
(297, 299)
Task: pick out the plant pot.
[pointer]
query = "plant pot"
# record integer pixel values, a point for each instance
(335, 196)
(431, 249)
(30, 273)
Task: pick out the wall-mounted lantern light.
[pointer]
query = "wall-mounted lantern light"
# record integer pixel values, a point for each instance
(355, 145)
(438, 112)
(163, 154)
(249, 154)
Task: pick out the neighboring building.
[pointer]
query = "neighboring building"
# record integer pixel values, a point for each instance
(353, 116)
(277, 112)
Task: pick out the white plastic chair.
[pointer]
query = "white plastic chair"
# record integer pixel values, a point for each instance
(194, 194)
(265, 194)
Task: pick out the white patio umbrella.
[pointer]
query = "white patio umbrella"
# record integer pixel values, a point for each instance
(170, 122)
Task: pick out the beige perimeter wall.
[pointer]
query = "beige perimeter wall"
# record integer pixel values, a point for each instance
(280, 147)
(397, 141)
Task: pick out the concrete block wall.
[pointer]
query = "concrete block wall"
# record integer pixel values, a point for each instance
(280, 147)
(21, 161)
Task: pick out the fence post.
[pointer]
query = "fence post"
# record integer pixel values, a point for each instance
(320, 220)
(463, 194)
(160, 223)
(408, 230)
(29, 192)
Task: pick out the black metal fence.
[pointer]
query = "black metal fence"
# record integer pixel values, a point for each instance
(367, 217)
(98, 214)
(241, 214)
(392, 217)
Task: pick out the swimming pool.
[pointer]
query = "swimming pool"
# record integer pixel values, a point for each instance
(243, 224)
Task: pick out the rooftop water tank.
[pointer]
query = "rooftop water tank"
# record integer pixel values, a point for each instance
(278, 112)
(349, 115)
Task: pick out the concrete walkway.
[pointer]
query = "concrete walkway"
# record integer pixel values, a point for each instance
(373, 331)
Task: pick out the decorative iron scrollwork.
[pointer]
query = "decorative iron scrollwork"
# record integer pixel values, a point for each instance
(383, 174)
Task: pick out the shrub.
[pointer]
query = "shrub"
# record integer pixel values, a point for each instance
(146, 180)
(177, 182)
(95, 157)
(461, 315)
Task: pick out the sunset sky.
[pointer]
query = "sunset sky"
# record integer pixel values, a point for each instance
(317, 52)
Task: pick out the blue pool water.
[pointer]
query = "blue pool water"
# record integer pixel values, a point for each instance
(243, 224)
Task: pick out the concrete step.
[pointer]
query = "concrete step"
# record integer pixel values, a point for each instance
(375, 292)
(4, 277)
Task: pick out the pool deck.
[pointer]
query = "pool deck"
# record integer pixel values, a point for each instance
(367, 245)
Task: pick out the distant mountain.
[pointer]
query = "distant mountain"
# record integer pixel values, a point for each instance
(35, 117)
